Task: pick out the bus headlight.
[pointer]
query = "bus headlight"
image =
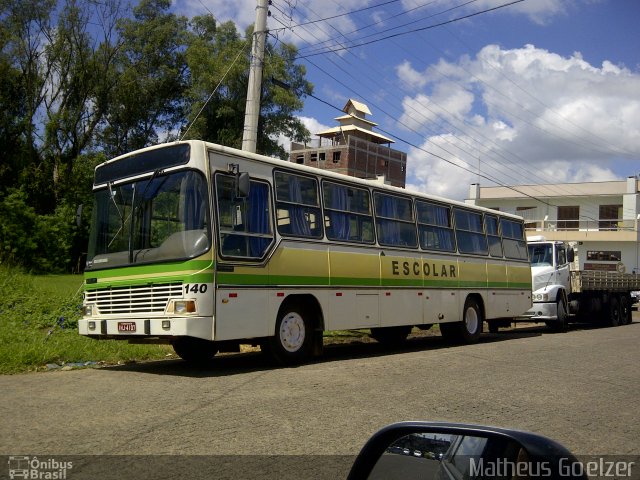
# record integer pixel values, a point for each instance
(87, 310)
(180, 307)
(541, 297)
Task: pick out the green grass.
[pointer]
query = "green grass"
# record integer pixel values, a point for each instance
(38, 326)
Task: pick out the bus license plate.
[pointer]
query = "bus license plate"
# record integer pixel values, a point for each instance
(126, 326)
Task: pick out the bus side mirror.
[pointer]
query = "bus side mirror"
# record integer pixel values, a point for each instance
(242, 185)
(570, 255)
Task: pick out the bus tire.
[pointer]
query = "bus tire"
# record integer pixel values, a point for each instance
(614, 311)
(469, 329)
(390, 335)
(194, 350)
(292, 342)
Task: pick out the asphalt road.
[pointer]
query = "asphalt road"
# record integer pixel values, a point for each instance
(580, 388)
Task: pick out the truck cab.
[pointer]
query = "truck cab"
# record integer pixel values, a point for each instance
(551, 282)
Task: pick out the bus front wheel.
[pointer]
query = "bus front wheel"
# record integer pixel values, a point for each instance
(194, 350)
(293, 339)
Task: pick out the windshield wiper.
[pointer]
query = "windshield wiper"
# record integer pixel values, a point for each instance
(122, 220)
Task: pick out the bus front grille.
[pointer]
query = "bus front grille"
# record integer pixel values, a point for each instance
(133, 299)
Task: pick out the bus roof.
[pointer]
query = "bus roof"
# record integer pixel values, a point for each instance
(276, 162)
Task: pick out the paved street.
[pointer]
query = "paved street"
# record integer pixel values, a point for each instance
(580, 388)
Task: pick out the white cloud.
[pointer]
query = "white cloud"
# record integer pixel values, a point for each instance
(530, 115)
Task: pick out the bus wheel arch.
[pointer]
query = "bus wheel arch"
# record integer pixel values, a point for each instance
(298, 330)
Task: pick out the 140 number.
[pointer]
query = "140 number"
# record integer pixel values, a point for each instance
(195, 288)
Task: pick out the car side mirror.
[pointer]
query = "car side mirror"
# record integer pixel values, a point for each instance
(570, 255)
(428, 450)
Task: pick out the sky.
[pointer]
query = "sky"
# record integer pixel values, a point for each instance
(476, 91)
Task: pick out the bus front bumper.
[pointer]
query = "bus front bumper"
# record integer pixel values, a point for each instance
(140, 328)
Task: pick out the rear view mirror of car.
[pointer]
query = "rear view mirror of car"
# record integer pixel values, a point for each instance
(412, 450)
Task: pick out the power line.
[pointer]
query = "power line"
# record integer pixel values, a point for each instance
(428, 27)
(411, 144)
(406, 126)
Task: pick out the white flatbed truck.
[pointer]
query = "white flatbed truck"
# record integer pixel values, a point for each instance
(562, 294)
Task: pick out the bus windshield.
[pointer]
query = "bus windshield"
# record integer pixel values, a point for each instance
(541, 255)
(164, 217)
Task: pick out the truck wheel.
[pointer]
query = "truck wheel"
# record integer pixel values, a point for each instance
(560, 325)
(625, 310)
(614, 312)
(390, 335)
(469, 329)
(293, 339)
(194, 350)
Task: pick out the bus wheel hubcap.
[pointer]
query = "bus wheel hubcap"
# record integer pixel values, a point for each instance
(292, 332)
(471, 320)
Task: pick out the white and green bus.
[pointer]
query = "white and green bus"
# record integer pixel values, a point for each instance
(207, 247)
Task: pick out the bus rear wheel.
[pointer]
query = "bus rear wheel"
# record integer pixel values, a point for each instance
(293, 339)
(469, 329)
(194, 350)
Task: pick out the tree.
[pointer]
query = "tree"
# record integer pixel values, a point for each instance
(148, 98)
(215, 49)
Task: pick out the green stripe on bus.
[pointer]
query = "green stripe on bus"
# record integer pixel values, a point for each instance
(185, 278)
(150, 269)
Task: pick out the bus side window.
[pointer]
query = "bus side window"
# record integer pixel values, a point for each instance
(493, 237)
(434, 225)
(394, 221)
(470, 232)
(244, 224)
(297, 206)
(347, 213)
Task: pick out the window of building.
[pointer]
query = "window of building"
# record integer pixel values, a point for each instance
(604, 256)
(336, 156)
(493, 236)
(314, 156)
(568, 218)
(394, 221)
(348, 215)
(469, 232)
(297, 206)
(300, 158)
(434, 227)
(610, 217)
(529, 215)
(322, 156)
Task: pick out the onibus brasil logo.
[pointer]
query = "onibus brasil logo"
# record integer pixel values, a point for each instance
(21, 466)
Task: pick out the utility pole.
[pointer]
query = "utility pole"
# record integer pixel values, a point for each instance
(252, 107)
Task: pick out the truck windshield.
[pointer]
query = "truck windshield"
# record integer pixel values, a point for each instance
(164, 217)
(541, 255)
